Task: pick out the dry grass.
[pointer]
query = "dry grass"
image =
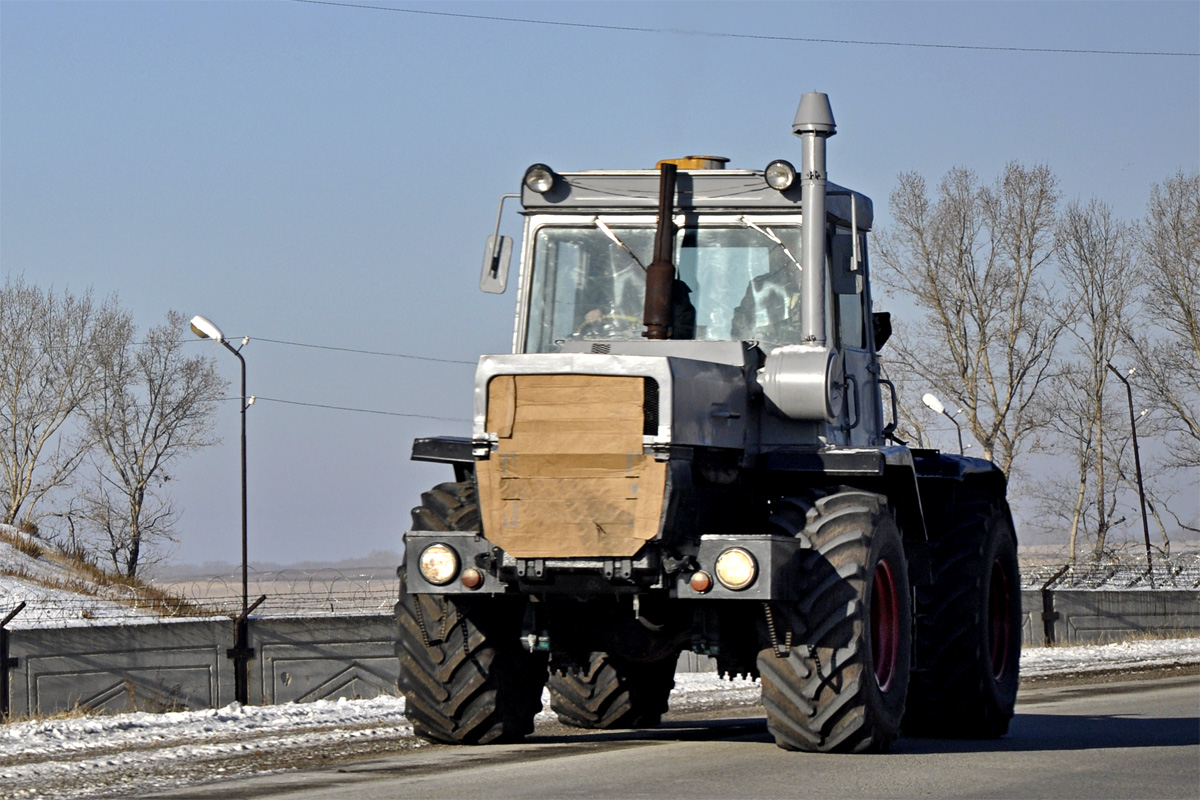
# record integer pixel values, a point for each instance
(76, 712)
(27, 546)
(83, 576)
(1124, 637)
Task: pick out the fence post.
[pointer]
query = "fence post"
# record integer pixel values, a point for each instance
(6, 663)
(241, 653)
(1049, 615)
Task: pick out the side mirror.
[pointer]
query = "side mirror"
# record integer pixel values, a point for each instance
(496, 257)
(845, 273)
(881, 324)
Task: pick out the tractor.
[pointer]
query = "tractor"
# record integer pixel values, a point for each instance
(686, 450)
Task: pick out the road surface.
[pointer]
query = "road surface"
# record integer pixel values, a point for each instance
(1129, 738)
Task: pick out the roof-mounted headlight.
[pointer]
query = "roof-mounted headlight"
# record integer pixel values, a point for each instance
(780, 175)
(539, 178)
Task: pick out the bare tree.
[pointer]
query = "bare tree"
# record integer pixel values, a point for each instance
(1167, 338)
(50, 346)
(978, 261)
(1096, 264)
(155, 405)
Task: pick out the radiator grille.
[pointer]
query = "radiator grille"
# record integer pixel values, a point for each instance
(650, 408)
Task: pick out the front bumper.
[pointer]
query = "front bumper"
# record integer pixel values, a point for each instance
(776, 560)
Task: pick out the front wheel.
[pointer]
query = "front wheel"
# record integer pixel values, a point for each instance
(465, 677)
(842, 687)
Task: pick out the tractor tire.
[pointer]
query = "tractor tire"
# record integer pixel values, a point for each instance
(612, 693)
(968, 625)
(448, 507)
(842, 687)
(464, 675)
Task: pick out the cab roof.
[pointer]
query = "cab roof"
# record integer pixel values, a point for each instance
(712, 190)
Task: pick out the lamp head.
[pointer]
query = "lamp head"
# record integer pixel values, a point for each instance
(205, 329)
(932, 401)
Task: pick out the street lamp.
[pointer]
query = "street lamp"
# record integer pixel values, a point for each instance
(205, 329)
(1137, 463)
(935, 404)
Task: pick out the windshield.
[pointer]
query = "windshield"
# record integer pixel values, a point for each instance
(733, 282)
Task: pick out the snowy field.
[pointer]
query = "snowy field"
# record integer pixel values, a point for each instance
(98, 756)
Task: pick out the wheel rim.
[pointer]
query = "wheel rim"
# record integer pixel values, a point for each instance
(999, 619)
(885, 625)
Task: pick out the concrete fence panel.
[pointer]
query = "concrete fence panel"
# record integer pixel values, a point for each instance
(120, 668)
(300, 660)
(1080, 616)
(184, 664)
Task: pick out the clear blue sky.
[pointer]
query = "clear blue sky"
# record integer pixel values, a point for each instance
(324, 174)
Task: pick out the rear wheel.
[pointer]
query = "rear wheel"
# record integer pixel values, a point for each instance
(613, 693)
(842, 687)
(465, 677)
(968, 625)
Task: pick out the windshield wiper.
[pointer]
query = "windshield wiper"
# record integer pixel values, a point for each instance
(770, 234)
(609, 233)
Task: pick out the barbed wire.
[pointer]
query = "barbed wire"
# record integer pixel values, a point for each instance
(1123, 571)
(330, 592)
(291, 592)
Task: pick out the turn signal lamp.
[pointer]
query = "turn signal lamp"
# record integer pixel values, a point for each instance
(439, 564)
(472, 578)
(736, 568)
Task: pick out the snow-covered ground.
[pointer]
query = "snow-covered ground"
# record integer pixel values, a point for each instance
(55, 595)
(95, 756)
(58, 591)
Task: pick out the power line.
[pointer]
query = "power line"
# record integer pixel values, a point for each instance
(753, 36)
(260, 398)
(361, 352)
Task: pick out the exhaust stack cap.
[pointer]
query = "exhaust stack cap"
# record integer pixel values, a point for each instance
(814, 115)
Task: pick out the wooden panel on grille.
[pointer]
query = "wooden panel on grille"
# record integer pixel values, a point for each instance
(570, 479)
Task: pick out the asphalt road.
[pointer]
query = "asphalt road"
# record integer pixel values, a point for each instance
(1125, 739)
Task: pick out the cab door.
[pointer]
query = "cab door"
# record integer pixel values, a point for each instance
(861, 418)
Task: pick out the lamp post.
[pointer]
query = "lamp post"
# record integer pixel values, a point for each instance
(935, 404)
(241, 652)
(1137, 464)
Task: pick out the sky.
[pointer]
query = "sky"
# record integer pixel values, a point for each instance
(327, 175)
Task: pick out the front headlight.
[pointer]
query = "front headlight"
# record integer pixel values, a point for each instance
(439, 564)
(736, 568)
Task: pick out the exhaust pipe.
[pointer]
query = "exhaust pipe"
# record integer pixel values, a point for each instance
(660, 275)
(807, 381)
(813, 124)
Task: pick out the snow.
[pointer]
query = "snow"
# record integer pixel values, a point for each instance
(1139, 654)
(87, 756)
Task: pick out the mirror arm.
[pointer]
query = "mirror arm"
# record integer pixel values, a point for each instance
(496, 234)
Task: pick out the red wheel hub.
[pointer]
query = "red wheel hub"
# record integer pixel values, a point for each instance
(885, 625)
(999, 619)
